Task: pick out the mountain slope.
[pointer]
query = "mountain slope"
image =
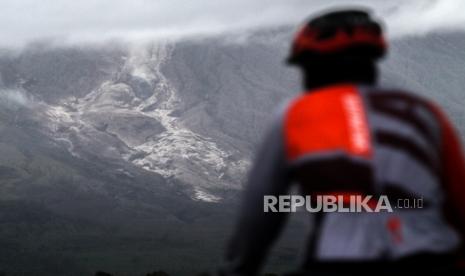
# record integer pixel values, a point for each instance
(131, 158)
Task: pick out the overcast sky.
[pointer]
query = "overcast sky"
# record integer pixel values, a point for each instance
(77, 21)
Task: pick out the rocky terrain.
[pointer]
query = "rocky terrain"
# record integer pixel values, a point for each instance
(133, 156)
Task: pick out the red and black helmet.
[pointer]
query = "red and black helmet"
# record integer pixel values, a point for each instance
(350, 33)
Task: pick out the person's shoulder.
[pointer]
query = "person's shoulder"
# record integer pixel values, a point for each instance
(395, 93)
(416, 103)
(277, 116)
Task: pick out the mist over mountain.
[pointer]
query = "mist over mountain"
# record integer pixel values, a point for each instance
(128, 158)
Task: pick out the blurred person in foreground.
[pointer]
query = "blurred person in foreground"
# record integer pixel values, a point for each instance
(346, 136)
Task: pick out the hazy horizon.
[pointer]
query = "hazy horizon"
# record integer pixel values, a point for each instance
(87, 21)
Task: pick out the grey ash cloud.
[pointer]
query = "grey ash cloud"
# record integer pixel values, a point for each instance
(100, 20)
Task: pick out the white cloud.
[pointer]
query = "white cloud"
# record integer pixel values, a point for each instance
(13, 98)
(420, 17)
(23, 21)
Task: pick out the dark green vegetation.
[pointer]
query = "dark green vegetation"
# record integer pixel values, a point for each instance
(37, 241)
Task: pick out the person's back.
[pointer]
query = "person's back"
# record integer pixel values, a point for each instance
(346, 137)
(358, 140)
